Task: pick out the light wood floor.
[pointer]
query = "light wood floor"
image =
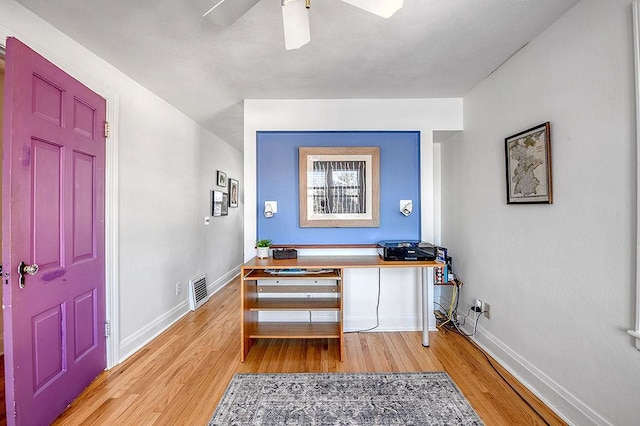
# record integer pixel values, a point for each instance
(178, 378)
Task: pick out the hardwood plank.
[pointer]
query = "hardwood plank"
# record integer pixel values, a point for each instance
(179, 377)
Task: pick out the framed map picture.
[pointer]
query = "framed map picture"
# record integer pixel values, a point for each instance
(528, 158)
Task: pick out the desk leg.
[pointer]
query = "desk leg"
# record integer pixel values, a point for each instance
(425, 305)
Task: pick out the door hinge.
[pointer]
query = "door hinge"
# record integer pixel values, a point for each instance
(15, 409)
(107, 329)
(107, 129)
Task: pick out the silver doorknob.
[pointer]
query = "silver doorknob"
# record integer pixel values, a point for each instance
(23, 268)
(30, 269)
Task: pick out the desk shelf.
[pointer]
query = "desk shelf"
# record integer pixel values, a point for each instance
(295, 304)
(296, 330)
(261, 274)
(297, 288)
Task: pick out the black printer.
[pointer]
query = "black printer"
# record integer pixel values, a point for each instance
(406, 250)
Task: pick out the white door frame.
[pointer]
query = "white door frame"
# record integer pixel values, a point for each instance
(111, 189)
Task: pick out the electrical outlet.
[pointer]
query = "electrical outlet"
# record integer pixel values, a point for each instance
(486, 308)
(178, 288)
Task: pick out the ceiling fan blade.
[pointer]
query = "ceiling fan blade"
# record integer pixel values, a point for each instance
(384, 8)
(226, 12)
(295, 20)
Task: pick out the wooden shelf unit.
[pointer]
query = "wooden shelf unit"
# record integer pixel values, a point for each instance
(262, 291)
(276, 288)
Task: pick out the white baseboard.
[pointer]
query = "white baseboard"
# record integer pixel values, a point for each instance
(215, 286)
(146, 334)
(561, 401)
(137, 340)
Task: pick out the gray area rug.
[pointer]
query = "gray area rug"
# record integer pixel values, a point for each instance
(313, 399)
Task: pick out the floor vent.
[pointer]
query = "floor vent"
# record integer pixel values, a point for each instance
(198, 295)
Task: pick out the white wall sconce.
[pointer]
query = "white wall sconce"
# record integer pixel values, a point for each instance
(406, 207)
(270, 208)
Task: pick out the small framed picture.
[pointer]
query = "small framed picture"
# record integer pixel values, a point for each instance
(222, 178)
(233, 193)
(528, 166)
(216, 203)
(224, 208)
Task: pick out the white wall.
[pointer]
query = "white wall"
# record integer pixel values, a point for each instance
(400, 292)
(165, 181)
(223, 237)
(560, 277)
(164, 167)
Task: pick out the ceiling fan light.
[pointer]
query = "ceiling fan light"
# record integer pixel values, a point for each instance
(383, 8)
(295, 21)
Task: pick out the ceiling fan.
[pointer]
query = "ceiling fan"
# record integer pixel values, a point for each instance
(295, 15)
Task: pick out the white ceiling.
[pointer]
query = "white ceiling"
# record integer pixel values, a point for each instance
(430, 48)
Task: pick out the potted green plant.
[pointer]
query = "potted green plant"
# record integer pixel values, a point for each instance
(263, 248)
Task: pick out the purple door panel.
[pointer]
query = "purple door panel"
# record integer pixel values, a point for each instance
(53, 217)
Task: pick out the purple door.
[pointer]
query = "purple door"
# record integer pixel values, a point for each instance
(53, 217)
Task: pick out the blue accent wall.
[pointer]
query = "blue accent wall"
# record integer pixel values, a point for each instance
(277, 174)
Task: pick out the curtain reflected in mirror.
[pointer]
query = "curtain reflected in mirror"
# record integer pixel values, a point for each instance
(338, 187)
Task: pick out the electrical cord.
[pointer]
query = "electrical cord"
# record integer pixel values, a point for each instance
(465, 316)
(448, 318)
(452, 318)
(467, 336)
(377, 311)
(436, 303)
(475, 326)
(453, 309)
(451, 313)
(504, 379)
